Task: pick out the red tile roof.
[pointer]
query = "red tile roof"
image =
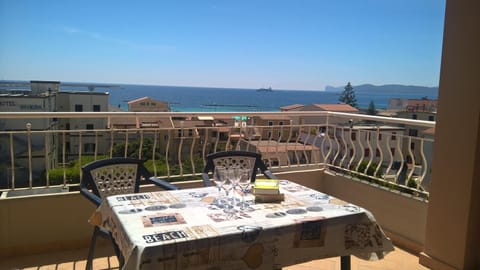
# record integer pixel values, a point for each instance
(422, 105)
(291, 107)
(138, 99)
(336, 107)
(430, 131)
(274, 117)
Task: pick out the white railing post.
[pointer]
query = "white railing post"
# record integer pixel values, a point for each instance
(47, 176)
(29, 146)
(12, 161)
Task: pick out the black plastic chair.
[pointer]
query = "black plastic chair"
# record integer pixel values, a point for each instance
(235, 158)
(114, 176)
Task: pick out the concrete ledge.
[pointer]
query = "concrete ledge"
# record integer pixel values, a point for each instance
(44, 223)
(33, 191)
(433, 263)
(404, 243)
(403, 216)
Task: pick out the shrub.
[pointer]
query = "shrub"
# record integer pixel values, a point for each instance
(371, 169)
(72, 171)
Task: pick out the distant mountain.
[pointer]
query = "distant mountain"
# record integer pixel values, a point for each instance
(392, 88)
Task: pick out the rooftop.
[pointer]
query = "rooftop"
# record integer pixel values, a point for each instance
(333, 107)
(291, 107)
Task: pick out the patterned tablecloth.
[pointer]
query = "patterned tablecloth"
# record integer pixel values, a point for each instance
(184, 229)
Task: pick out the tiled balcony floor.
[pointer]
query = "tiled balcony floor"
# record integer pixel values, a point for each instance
(75, 259)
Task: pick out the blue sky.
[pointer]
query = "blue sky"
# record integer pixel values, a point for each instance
(285, 44)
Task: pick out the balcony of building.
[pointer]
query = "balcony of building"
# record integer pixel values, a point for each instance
(366, 160)
(438, 219)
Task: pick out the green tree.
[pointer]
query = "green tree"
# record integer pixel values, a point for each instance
(132, 149)
(348, 96)
(371, 108)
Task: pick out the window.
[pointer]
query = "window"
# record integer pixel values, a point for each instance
(414, 116)
(190, 132)
(96, 108)
(431, 118)
(269, 134)
(78, 107)
(67, 147)
(354, 136)
(179, 133)
(67, 126)
(270, 123)
(366, 153)
(379, 136)
(392, 150)
(89, 126)
(377, 152)
(89, 148)
(280, 123)
(413, 132)
(393, 136)
(412, 146)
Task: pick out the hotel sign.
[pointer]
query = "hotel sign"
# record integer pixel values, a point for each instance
(7, 103)
(22, 107)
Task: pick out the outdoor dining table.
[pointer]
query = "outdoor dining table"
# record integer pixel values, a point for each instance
(187, 229)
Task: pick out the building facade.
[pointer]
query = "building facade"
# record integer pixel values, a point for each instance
(48, 151)
(147, 104)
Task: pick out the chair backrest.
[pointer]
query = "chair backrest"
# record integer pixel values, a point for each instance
(113, 176)
(228, 159)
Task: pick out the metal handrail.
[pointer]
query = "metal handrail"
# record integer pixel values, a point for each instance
(286, 146)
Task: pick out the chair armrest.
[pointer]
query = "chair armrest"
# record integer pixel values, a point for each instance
(206, 180)
(162, 183)
(92, 197)
(269, 174)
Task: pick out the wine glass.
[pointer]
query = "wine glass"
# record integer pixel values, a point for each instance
(234, 175)
(243, 176)
(219, 178)
(228, 185)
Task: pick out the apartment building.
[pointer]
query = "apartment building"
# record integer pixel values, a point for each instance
(48, 151)
(319, 107)
(277, 128)
(83, 101)
(147, 104)
(417, 109)
(27, 100)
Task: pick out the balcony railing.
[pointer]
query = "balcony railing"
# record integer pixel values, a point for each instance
(47, 150)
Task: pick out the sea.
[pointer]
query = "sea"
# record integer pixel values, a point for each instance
(206, 99)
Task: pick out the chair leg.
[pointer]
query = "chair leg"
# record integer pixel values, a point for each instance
(345, 262)
(120, 258)
(91, 250)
